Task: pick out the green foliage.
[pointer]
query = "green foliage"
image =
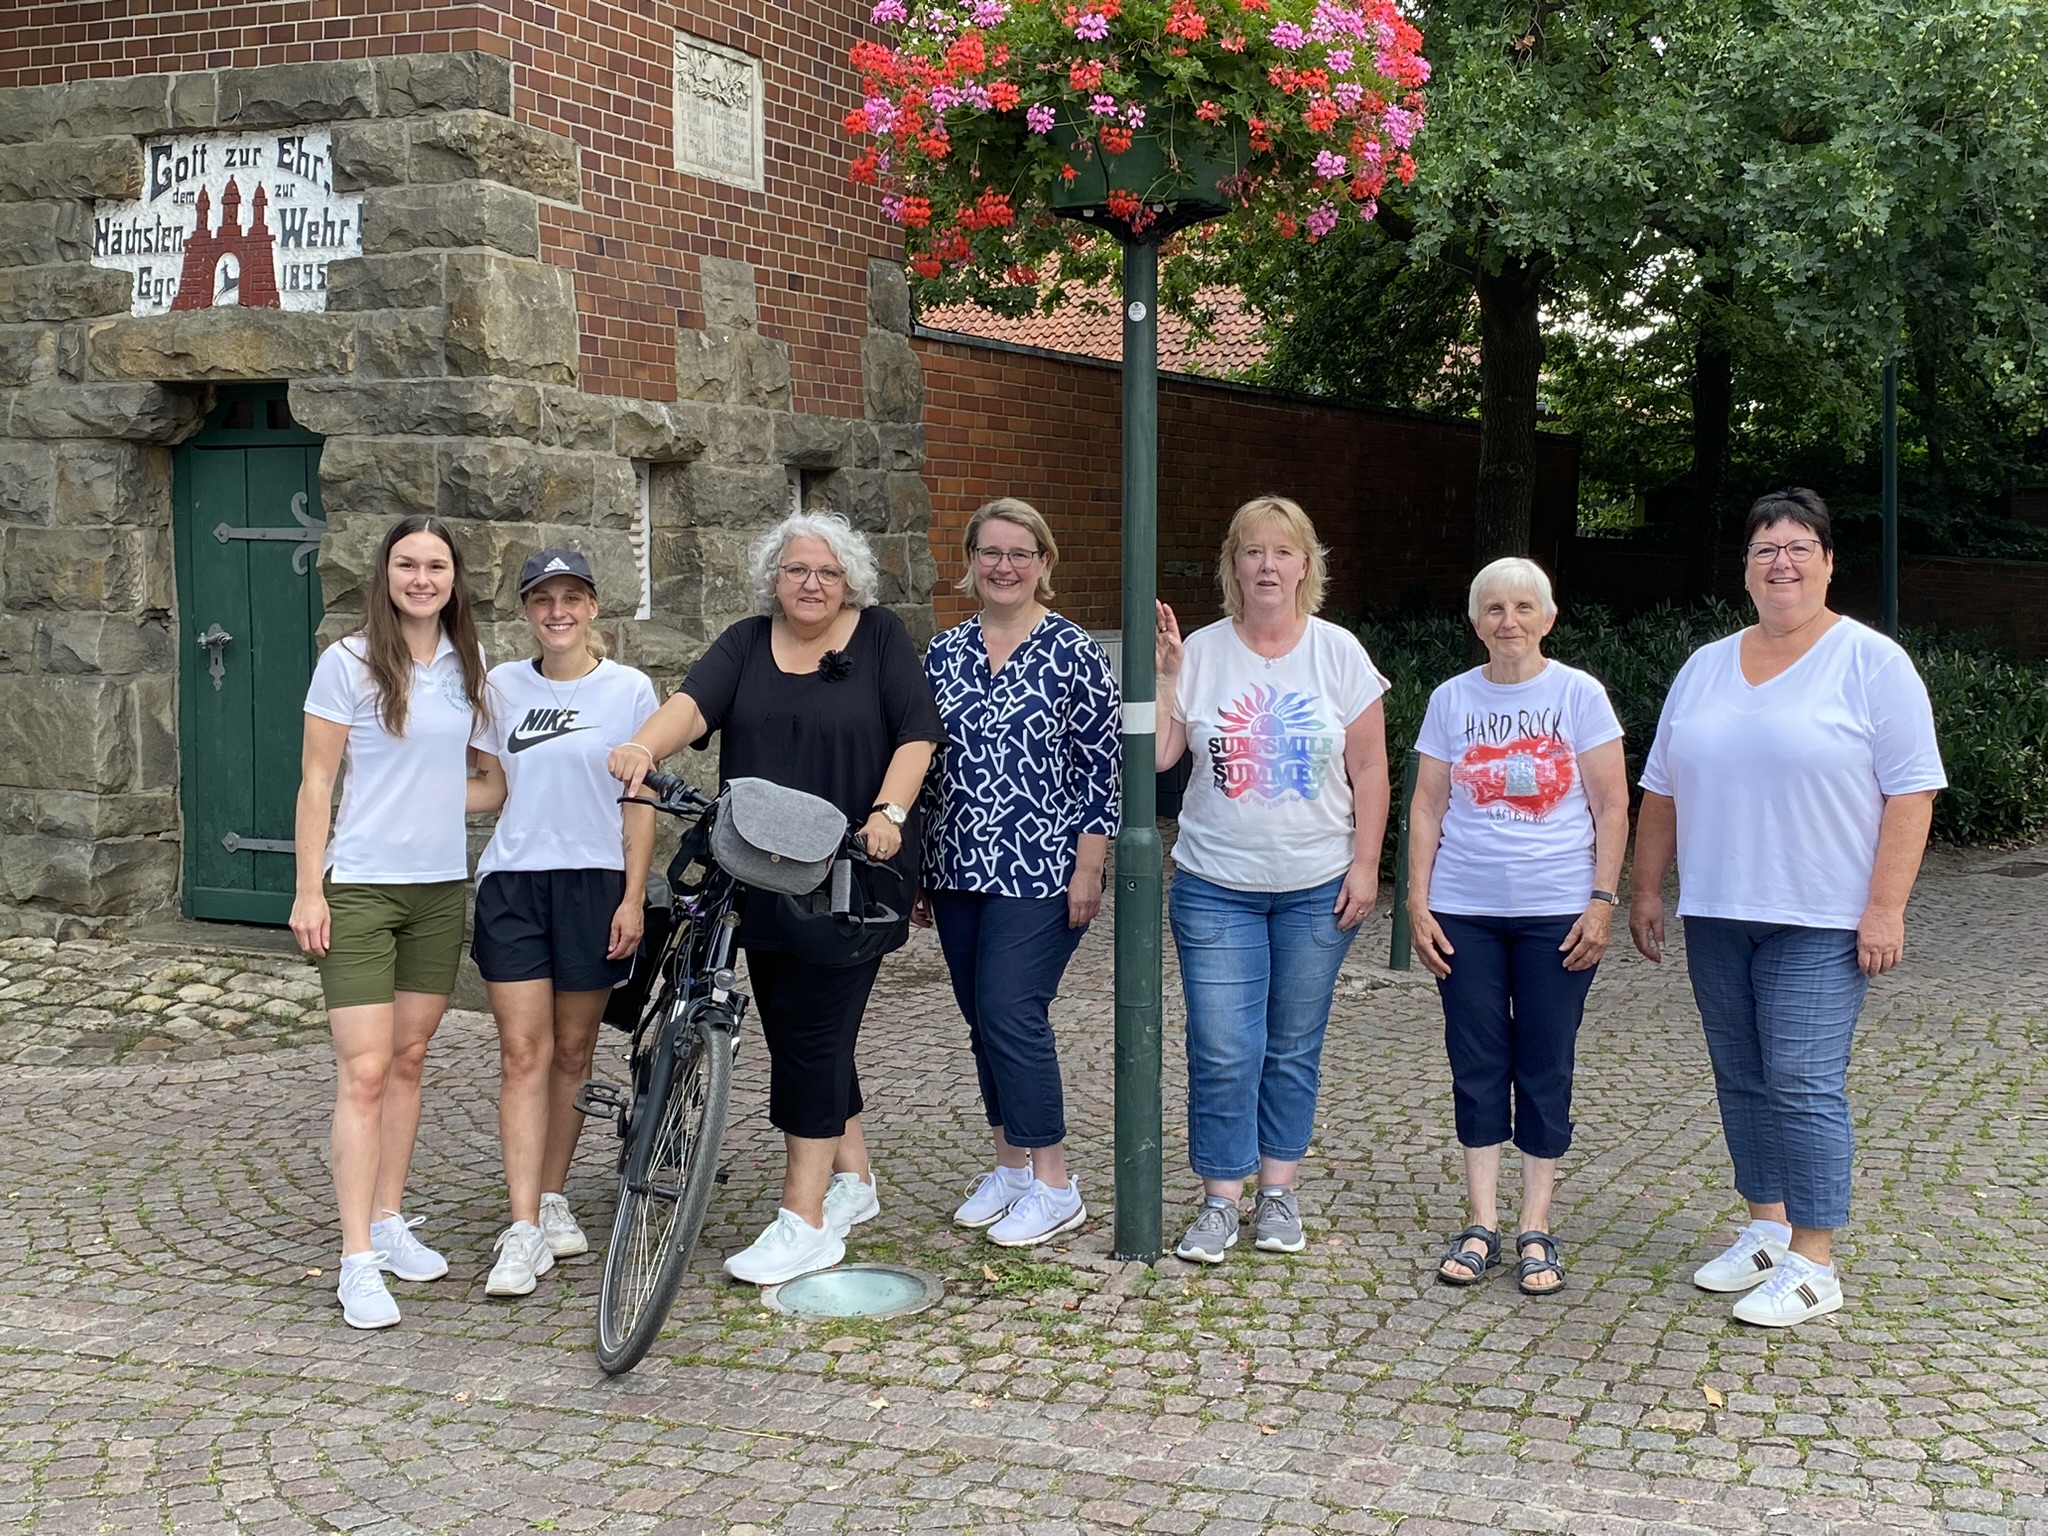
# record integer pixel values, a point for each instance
(1814, 183)
(1022, 1277)
(1990, 712)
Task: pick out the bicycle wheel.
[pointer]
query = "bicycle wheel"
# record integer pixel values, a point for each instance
(655, 1229)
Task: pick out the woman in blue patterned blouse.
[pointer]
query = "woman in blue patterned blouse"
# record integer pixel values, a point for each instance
(1028, 785)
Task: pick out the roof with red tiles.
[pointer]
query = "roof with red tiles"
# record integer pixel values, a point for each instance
(1090, 327)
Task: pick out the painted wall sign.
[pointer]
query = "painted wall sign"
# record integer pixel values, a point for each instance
(718, 113)
(248, 218)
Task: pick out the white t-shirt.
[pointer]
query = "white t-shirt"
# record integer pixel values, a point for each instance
(1780, 786)
(562, 809)
(1518, 835)
(400, 821)
(1268, 806)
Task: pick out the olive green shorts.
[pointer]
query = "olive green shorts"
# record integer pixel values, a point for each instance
(384, 939)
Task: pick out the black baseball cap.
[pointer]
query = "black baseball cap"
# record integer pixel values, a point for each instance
(554, 562)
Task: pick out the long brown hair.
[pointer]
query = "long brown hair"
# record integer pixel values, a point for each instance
(384, 649)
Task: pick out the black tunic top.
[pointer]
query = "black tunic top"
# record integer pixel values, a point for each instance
(830, 732)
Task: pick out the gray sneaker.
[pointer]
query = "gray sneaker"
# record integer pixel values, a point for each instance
(1215, 1230)
(1276, 1222)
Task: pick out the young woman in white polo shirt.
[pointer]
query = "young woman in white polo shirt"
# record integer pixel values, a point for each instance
(381, 905)
(560, 895)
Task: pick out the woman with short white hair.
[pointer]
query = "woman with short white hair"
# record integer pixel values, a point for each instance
(823, 692)
(1516, 838)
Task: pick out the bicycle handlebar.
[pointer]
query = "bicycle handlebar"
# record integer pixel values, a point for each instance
(678, 798)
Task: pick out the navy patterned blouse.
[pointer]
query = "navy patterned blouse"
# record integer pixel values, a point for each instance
(1030, 761)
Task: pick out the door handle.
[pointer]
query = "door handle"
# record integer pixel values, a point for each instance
(213, 642)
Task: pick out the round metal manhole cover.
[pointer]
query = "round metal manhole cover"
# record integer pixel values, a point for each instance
(856, 1290)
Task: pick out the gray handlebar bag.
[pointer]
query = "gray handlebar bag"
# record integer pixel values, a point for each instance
(774, 838)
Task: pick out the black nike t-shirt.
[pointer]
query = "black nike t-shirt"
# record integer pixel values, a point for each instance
(561, 806)
(830, 732)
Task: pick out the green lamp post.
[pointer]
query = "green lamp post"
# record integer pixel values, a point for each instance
(1176, 180)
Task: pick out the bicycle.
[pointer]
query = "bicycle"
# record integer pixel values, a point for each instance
(685, 1012)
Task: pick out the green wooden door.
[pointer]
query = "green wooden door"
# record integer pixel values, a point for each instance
(246, 504)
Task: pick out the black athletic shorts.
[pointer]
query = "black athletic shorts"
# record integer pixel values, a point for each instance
(549, 925)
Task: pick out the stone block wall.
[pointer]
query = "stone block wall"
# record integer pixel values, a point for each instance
(446, 377)
(603, 76)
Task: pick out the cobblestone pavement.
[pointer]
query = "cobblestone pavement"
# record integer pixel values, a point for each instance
(174, 1360)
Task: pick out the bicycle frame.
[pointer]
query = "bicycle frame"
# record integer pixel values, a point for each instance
(697, 987)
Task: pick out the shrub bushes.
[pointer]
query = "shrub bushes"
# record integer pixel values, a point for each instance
(1990, 712)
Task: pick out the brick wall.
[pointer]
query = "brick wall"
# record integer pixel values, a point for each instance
(602, 75)
(1391, 493)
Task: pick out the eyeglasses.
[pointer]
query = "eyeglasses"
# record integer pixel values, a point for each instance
(1017, 557)
(802, 575)
(1801, 551)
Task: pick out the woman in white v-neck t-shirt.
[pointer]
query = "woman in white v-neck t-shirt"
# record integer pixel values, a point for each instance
(381, 907)
(1793, 777)
(560, 896)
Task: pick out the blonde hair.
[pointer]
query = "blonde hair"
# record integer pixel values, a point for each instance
(1510, 573)
(593, 642)
(1008, 509)
(1246, 521)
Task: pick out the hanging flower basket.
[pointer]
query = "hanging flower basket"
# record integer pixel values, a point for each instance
(983, 122)
(1164, 176)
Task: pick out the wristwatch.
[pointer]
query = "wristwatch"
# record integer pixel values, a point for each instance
(1607, 896)
(896, 814)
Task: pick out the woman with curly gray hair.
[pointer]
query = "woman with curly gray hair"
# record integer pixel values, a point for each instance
(823, 692)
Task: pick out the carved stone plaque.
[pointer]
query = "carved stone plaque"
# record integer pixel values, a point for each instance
(718, 113)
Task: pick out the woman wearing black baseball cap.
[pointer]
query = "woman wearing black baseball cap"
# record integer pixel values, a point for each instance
(559, 897)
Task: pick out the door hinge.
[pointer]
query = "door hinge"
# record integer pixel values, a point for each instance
(234, 842)
(307, 535)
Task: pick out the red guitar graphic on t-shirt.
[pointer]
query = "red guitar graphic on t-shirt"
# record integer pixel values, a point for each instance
(1529, 774)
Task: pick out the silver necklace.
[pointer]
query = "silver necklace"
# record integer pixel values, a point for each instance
(575, 687)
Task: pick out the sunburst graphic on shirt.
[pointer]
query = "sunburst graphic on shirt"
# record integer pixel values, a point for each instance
(1270, 744)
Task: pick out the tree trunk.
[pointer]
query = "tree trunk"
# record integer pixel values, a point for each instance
(1713, 403)
(1510, 363)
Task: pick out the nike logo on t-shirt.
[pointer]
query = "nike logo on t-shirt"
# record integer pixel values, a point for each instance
(542, 725)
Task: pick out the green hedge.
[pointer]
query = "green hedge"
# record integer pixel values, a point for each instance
(1990, 712)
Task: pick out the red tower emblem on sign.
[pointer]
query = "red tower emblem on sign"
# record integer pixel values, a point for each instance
(229, 265)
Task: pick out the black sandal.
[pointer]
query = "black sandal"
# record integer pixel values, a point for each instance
(1475, 1265)
(1526, 1269)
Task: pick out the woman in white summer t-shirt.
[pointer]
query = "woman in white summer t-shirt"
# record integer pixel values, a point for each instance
(1276, 865)
(560, 896)
(382, 906)
(1515, 841)
(1793, 777)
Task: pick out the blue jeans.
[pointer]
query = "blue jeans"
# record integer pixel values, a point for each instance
(1511, 1025)
(1779, 1005)
(1007, 955)
(1258, 969)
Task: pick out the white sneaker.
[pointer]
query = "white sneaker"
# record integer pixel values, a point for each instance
(790, 1247)
(403, 1254)
(1041, 1215)
(1798, 1290)
(365, 1303)
(1750, 1260)
(523, 1257)
(991, 1195)
(565, 1237)
(851, 1200)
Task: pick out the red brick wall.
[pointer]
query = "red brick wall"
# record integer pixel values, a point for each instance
(1391, 494)
(602, 75)
(100, 39)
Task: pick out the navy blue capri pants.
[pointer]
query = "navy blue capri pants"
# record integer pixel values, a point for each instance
(1511, 1029)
